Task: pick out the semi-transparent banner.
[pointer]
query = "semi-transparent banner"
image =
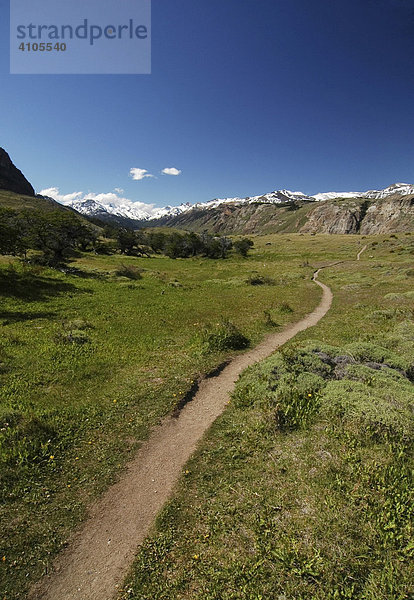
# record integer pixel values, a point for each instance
(80, 36)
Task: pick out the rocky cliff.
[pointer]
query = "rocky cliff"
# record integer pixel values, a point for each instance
(11, 179)
(336, 217)
(349, 215)
(390, 215)
(384, 215)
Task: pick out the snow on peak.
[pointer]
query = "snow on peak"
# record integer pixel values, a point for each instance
(112, 203)
(403, 189)
(332, 195)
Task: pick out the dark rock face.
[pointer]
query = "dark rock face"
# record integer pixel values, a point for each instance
(11, 179)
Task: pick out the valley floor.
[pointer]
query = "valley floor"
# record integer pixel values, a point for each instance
(95, 564)
(81, 409)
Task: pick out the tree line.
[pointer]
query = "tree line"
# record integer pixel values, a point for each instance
(179, 245)
(58, 234)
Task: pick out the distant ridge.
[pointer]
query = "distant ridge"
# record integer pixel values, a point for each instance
(133, 215)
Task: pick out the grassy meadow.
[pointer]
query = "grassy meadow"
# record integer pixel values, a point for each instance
(91, 359)
(302, 489)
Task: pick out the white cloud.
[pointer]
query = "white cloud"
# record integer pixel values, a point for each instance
(54, 193)
(138, 174)
(106, 199)
(171, 171)
(119, 190)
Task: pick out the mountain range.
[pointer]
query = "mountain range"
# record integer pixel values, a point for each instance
(270, 212)
(374, 211)
(127, 209)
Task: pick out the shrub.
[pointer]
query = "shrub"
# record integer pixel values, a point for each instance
(269, 321)
(223, 336)
(297, 400)
(257, 383)
(243, 246)
(260, 280)
(75, 336)
(314, 358)
(79, 324)
(129, 271)
(365, 412)
(285, 308)
(365, 351)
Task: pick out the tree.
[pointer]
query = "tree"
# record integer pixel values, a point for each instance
(243, 246)
(57, 234)
(216, 247)
(175, 246)
(156, 240)
(13, 233)
(127, 241)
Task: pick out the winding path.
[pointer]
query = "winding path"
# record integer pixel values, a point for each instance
(95, 564)
(361, 251)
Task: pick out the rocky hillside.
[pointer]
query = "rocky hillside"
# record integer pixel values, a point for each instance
(11, 179)
(373, 211)
(391, 214)
(385, 215)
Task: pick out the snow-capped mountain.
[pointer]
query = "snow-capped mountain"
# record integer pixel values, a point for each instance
(276, 197)
(331, 195)
(171, 211)
(126, 209)
(102, 206)
(402, 189)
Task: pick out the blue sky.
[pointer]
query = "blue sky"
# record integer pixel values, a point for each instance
(244, 97)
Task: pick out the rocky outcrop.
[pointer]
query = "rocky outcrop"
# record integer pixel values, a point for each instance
(11, 179)
(390, 215)
(340, 216)
(331, 218)
(240, 218)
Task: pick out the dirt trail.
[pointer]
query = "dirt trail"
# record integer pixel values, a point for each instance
(361, 251)
(96, 561)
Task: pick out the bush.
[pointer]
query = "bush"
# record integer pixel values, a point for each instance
(243, 246)
(129, 271)
(297, 400)
(285, 308)
(75, 336)
(366, 351)
(374, 411)
(260, 280)
(224, 336)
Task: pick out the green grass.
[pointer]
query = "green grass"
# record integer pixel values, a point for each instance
(90, 361)
(21, 202)
(302, 489)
